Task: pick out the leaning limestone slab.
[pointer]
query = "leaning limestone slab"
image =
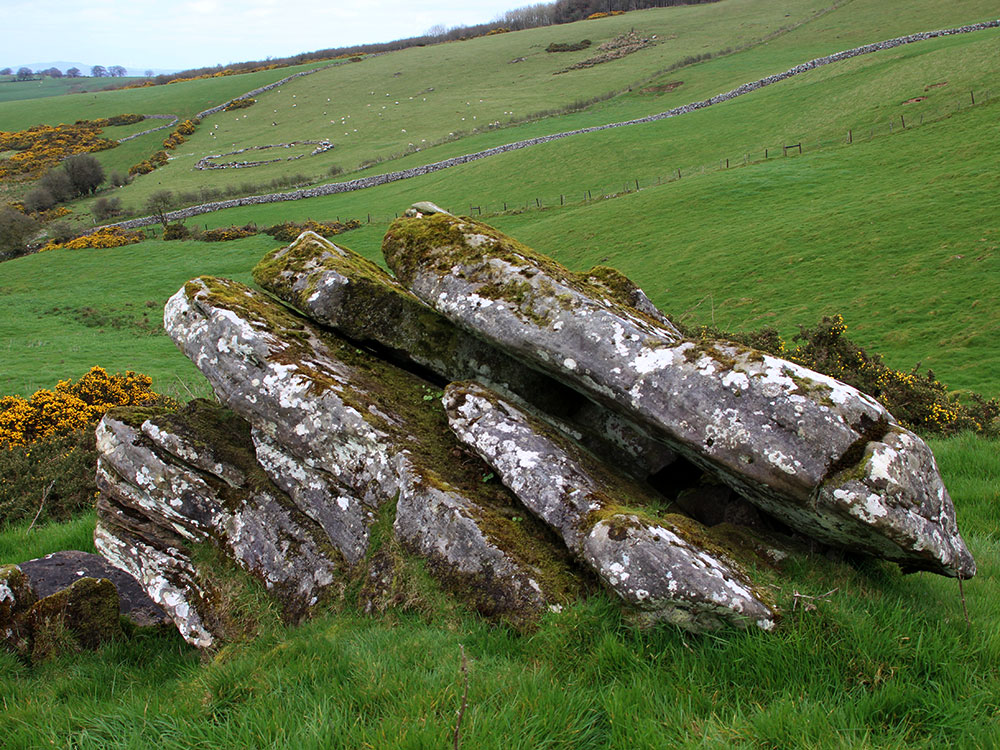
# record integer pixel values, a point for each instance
(158, 505)
(319, 402)
(340, 289)
(790, 439)
(660, 565)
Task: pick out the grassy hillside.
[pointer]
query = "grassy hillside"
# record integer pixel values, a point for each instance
(897, 231)
(11, 90)
(882, 661)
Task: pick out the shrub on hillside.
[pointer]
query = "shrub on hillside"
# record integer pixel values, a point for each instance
(16, 231)
(39, 199)
(240, 104)
(289, 230)
(225, 234)
(176, 231)
(104, 237)
(85, 173)
(57, 182)
(47, 442)
(106, 208)
(573, 47)
(72, 405)
(148, 165)
(59, 469)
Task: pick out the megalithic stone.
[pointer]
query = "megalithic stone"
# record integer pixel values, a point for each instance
(374, 428)
(815, 452)
(661, 564)
(338, 288)
(172, 481)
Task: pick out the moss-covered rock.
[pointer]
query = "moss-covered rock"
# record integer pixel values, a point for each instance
(339, 412)
(773, 430)
(84, 615)
(16, 598)
(338, 288)
(175, 482)
(665, 565)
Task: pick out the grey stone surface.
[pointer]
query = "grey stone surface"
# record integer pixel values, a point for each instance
(656, 561)
(339, 288)
(59, 570)
(157, 506)
(775, 431)
(334, 408)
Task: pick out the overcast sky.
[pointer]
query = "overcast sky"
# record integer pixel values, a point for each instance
(176, 34)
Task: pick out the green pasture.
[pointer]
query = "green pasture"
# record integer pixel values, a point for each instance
(184, 99)
(11, 90)
(891, 233)
(897, 231)
(883, 661)
(857, 94)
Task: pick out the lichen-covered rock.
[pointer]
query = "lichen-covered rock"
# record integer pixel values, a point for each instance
(659, 563)
(16, 598)
(157, 505)
(340, 289)
(782, 435)
(59, 570)
(376, 430)
(82, 615)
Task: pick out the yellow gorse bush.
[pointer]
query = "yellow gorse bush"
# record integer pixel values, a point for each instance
(43, 146)
(104, 237)
(72, 405)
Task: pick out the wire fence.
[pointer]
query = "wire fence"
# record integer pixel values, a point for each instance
(800, 145)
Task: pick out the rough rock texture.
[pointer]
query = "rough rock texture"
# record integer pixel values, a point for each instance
(52, 573)
(339, 288)
(659, 563)
(16, 598)
(370, 427)
(787, 438)
(82, 615)
(157, 505)
(59, 616)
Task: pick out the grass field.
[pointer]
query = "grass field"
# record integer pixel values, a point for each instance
(897, 232)
(11, 90)
(883, 661)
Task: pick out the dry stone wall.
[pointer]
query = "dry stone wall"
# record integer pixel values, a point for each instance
(404, 174)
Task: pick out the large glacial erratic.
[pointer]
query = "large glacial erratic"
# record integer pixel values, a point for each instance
(814, 452)
(358, 440)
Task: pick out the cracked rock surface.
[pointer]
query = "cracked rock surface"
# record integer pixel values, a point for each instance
(658, 563)
(780, 434)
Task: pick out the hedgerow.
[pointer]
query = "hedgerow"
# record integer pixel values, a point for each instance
(289, 230)
(225, 234)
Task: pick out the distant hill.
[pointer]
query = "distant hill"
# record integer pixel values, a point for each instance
(84, 68)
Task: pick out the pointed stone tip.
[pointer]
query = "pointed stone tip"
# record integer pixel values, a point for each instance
(425, 208)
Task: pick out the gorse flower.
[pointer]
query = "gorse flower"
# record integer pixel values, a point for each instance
(72, 405)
